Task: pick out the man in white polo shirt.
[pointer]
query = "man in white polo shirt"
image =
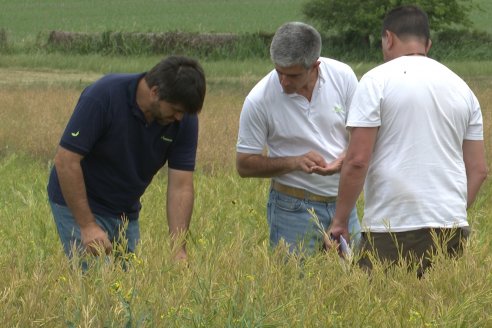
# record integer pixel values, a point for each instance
(417, 134)
(298, 113)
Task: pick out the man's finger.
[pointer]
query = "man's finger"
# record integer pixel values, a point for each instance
(99, 247)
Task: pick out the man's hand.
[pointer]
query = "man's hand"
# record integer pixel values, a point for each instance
(310, 161)
(95, 240)
(181, 256)
(329, 168)
(331, 237)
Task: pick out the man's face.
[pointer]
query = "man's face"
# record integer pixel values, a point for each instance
(294, 78)
(166, 113)
(161, 111)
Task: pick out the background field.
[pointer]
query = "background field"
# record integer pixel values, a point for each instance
(234, 279)
(26, 18)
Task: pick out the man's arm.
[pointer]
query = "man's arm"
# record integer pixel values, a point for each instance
(260, 166)
(180, 198)
(476, 167)
(353, 174)
(70, 176)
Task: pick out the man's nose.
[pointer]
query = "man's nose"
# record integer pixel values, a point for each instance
(284, 80)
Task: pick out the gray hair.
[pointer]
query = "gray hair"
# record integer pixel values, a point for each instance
(295, 43)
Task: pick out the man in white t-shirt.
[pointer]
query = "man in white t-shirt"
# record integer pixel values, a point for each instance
(417, 134)
(298, 113)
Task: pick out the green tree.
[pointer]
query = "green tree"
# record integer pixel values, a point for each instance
(360, 20)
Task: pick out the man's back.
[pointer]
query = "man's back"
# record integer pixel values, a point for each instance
(417, 176)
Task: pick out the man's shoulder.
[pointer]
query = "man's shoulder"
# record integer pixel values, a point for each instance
(265, 89)
(333, 65)
(116, 80)
(111, 87)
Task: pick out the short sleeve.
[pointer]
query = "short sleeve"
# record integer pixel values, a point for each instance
(474, 131)
(86, 125)
(253, 129)
(365, 109)
(182, 155)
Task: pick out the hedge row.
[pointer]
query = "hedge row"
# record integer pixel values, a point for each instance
(449, 45)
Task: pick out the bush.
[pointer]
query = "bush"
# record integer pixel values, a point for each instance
(456, 44)
(3, 39)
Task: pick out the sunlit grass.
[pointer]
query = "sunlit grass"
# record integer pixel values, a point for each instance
(233, 279)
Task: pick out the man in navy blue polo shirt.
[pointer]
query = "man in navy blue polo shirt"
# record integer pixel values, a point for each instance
(124, 128)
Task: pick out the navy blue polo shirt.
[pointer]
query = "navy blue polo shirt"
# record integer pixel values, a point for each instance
(122, 152)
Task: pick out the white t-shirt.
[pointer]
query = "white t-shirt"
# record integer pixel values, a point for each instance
(416, 178)
(290, 125)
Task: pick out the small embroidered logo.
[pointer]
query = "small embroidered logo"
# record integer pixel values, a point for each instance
(166, 139)
(338, 109)
(75, 134)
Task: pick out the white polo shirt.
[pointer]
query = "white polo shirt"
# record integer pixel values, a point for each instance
(290, 125)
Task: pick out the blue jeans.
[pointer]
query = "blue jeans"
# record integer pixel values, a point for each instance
(289, 220)
(69, 230)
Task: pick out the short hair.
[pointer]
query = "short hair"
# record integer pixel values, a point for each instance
(407, 21)
(180, 80)
(295, 43)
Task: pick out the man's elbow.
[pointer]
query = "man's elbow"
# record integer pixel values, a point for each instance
(242, 165)
(483, 174)
(241, 170)
(357, 163)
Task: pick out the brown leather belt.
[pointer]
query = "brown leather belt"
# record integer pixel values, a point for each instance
(301, 193)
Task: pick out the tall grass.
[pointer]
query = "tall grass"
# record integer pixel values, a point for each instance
(233, 279)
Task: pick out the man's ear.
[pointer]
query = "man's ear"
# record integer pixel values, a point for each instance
(429, 45)
(154, 92)
(389, 36)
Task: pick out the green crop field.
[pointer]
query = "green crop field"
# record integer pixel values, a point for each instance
(26, 18)
(233, 279)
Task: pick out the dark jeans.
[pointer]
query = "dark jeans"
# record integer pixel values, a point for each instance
(416, 247)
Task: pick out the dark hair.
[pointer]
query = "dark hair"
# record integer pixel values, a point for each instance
(407, 21)
(180, 80)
